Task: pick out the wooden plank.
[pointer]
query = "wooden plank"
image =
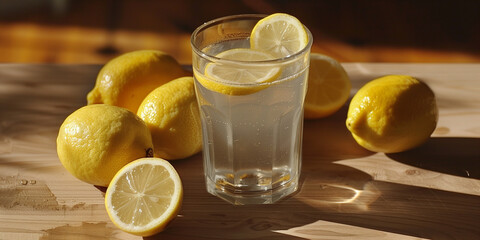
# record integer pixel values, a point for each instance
(432, 192)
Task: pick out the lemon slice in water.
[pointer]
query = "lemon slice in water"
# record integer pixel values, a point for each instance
(239, 74)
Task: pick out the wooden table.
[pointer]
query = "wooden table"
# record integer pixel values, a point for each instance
(432, 192)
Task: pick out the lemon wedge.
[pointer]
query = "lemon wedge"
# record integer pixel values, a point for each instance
(279, 34)
(144, 196)
(328, 87)
(244, 72)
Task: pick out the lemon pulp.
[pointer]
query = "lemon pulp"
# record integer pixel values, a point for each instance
(328, 87)
(279, 34)
(144, 196)
(246, 73)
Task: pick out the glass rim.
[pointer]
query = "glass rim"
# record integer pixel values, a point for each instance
(232, 18)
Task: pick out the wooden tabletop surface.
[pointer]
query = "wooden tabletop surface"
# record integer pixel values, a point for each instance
(432, 192)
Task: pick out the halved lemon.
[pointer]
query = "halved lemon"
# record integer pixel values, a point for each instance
(328, 86)
(241, 75)
(144, 196)
(279, 34)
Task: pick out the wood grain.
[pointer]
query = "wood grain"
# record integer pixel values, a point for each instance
(432, 192)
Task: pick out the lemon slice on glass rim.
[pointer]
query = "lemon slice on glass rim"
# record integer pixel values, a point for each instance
(144, 196)
(279, 34)
(240, 71)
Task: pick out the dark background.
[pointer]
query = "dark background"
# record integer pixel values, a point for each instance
(93, 31)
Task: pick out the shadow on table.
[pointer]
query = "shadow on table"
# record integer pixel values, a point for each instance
(335, 201)
(451, 155)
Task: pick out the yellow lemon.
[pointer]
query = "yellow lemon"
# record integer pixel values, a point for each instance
(95, 141)
(279, 34)
(172, 115)
(238, 77)
(144, 196)
(392, 114)
(127, 79)
(328, 87)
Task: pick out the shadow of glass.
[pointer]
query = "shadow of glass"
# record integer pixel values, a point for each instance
(335, 201)
(209, 217)
(328, 139)
(338, 201)
(397, 211)
(459, 156)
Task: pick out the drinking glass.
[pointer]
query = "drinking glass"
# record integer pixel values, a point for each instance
(252, 141)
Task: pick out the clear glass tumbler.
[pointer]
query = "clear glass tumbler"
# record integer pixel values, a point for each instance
(252, 140)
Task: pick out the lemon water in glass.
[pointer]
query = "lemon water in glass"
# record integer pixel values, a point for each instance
(251, 107)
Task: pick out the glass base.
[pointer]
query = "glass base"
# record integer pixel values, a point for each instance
(239, 196)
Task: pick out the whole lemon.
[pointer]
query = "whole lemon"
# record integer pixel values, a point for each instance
(96, 141)
(125, 80)
(392, 114)
(172, 115)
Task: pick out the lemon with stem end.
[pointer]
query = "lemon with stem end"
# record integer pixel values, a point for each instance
(172, 115)
(95, 141)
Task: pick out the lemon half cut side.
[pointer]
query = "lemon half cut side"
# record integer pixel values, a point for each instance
(144, 196)
(328, 87)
